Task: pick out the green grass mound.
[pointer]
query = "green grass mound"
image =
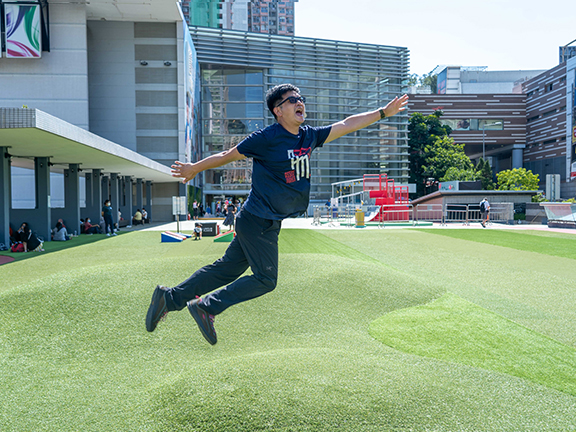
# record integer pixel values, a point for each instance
(349, 389)
(456, 330)
(548, 243)
(75, 355)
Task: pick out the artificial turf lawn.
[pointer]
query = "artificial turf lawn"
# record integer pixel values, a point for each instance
(74, 353)
(453, 329)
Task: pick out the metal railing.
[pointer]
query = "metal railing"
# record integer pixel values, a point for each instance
(395, 213)
(429, 213)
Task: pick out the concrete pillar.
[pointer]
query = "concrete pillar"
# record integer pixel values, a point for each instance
(41, 221)
(86, 212)
(114, 196)
(96, 199)
(139, 197)
(71, 213)
(126, 208)
(105, 184)
(5, 197)
(149, 199)
(517, 158)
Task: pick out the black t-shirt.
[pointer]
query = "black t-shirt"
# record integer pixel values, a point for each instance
(281, 169)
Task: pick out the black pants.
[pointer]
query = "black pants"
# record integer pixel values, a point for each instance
(108, 223)
(255, 246)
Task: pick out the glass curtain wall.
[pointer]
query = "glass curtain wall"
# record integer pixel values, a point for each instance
(338, 79)
(232, 108)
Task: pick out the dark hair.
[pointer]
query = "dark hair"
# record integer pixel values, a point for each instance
(58, 226)
(274, 95)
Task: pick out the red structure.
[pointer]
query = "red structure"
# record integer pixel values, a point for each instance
(393, 200)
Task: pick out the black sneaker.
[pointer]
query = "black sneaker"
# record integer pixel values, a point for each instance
(204, 320)
(157, 309)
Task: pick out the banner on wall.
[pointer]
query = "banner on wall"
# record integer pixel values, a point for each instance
(192, 100)
(23, 31)
(573, 152)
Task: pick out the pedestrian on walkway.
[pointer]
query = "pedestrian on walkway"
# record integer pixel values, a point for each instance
(485, 211)
(280, 189)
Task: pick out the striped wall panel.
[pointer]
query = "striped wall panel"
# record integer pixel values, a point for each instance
(509, 108)
(546, 115)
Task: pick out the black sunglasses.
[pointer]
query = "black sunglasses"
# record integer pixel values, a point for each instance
(293, 100)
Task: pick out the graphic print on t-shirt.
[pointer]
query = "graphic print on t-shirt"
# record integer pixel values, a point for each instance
(300, 164)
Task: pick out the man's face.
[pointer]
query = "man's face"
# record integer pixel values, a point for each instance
(292, 112)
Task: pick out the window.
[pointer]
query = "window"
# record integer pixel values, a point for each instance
(531, 119)
(549, 113)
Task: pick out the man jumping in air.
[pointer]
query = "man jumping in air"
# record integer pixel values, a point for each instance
(280, 189)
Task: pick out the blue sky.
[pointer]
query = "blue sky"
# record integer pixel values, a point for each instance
(503, 35)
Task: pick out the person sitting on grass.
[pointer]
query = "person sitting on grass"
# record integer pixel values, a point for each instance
(59, 233)
(91, 229)
(30, 241)
(197, 231)
(280, 189)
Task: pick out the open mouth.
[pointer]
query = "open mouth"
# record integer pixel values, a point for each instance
(300, 112)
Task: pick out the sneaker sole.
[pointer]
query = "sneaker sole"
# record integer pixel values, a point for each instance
(150, 325)
(198, 319)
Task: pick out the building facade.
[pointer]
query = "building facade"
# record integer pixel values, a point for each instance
(491, 126)
(546, 127)
(534, 130)
(263, 16)
(478, 80)
(338, 79)
(117, 78)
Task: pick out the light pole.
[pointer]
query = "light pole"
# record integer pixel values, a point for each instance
(483, 137)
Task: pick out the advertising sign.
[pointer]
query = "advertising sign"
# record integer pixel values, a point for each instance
(573, 152)
(22, 25)
(192, 102)
(441, 82)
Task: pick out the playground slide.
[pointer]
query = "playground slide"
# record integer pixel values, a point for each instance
(371, 213)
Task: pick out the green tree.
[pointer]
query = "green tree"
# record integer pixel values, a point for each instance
(430, 80)
(484, 174)
(517, 179)
(423, 131)
(412, 80)
(458, 174)
(444, 154)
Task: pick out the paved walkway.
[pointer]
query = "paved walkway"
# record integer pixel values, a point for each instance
(306, 223)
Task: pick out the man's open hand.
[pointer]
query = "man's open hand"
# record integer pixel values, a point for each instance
(185, 171)
(396, 105)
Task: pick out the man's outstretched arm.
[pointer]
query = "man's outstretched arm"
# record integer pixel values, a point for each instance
(360, 121)
(187, 171)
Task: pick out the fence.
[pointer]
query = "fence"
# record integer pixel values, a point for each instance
(407, 213)
(429, 213)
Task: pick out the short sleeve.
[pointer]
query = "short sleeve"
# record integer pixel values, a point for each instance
(321, 135)
(254, 145)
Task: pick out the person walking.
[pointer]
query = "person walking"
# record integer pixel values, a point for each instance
(485, 211)
(230, 214)
(195, 210)
(107, 214)
(280, 189)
